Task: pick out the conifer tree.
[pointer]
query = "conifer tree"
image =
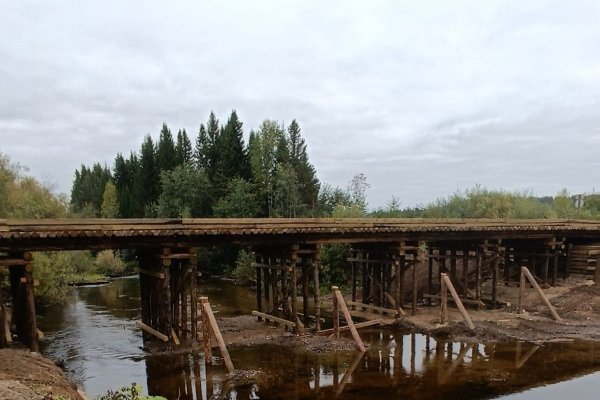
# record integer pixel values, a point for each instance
(200, 150)
(183, 148)
(149, 172)
(166, 158)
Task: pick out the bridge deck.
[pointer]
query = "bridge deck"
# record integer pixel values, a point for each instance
(67, 234)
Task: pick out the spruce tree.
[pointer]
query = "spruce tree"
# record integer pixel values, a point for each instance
(232, 160)
(201, 149)
(149, 172)
(166, 157)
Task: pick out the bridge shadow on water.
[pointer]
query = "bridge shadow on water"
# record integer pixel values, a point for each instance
(95, 338)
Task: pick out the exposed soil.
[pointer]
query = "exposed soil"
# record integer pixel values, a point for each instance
(246, 331)
(26, 375)
(576, 301)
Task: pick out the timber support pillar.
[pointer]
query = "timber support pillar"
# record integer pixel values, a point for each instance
(22, 291)
(169, 294)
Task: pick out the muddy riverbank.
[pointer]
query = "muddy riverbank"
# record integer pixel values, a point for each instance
(25, 375)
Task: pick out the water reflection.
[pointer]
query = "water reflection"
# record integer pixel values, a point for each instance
(95, 337)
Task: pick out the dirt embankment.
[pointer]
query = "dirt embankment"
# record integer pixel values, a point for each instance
(26, 375)
(576, 301)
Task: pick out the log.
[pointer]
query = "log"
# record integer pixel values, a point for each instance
(147, 272)
(531, 279)
(152, 331)
(464, 301)
(346, 313)
(458, 302)
(336, 312)
(393, 303)
(317, 295)
(217, 334)
(382, 310)
(268, 317)
(327, 332)
(175, 338)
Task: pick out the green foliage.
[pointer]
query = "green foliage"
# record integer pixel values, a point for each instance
(244, 272)
(239, 201)
(55, 271)
(166, 157)
(88, 189)
(110, 202)
(333, 259)
(183, 192)
(132, 392)
(24, 197)
(108, 262)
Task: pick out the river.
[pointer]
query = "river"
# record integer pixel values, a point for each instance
(95, 337)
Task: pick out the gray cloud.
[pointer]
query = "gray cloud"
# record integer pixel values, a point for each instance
(424, 98)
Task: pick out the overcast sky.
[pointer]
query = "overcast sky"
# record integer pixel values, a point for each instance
(423, 97)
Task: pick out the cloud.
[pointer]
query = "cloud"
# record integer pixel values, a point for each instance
(424, 98)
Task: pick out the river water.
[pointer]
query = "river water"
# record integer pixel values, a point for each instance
(95, 337)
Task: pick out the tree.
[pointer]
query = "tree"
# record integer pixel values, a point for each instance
(288, 202)
(183, 193)
(305, 171)
(232, 160)
(183, 148)
(110, 203)
(239, 201)
(149, 173)
(166, 158)
(357, 190)
(263, 162)
(201, 156)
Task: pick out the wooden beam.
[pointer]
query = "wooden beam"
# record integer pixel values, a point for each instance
(158, 275)
(525, 271)
(464, 301)
(382, 310)
(152, 331)
(359, 325)
(349, 321)
(174, 337)
(393, 303)
(461, 307)
(268, 317)
(217, 334)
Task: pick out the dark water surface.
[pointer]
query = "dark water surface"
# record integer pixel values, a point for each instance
(96, 339)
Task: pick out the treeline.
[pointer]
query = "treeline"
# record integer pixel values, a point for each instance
(213, 174)
(480, 202)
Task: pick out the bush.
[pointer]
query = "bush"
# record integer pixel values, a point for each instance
(109, 263)
(133, 392)
(244, 272)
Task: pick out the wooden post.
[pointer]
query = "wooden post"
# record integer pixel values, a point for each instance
(443, 302)
(336, 313)
(305, 267)
(214, 328)
(430, 275)
(317, 294)
(465, 271)
(259, 306)
(293, 287)
(531, 279)
(597, 271)
(521, 292)
(402, 296)
(397, 298)
(459, 304)
(555, 267)
(205, 331)
(342, 304)
(24, 316)
(3, 322)
(193, 294)
(478, 276)
(353, 273)
(546, 265)
(420, 259)
(267, 288)
(495, 279)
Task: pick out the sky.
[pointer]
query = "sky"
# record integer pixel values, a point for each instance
(423, 97)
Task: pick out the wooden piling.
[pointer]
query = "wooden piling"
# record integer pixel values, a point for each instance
(305, 271)
(205, 331)
(342, 304)
(525, 271)
(259, 305)
(443, 302)
(478, 275)
(293, 287)
(214, 329)
(448, 285)
(336, 312)
(317, 294)
(3, 319)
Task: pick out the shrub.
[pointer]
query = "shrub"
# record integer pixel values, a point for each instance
(244, 272)
(109, 263)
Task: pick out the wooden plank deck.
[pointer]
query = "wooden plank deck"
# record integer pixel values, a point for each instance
(57, 234)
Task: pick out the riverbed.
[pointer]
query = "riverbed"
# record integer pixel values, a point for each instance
(95, 338)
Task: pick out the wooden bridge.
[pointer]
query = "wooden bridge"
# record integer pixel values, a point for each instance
(392, 261)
